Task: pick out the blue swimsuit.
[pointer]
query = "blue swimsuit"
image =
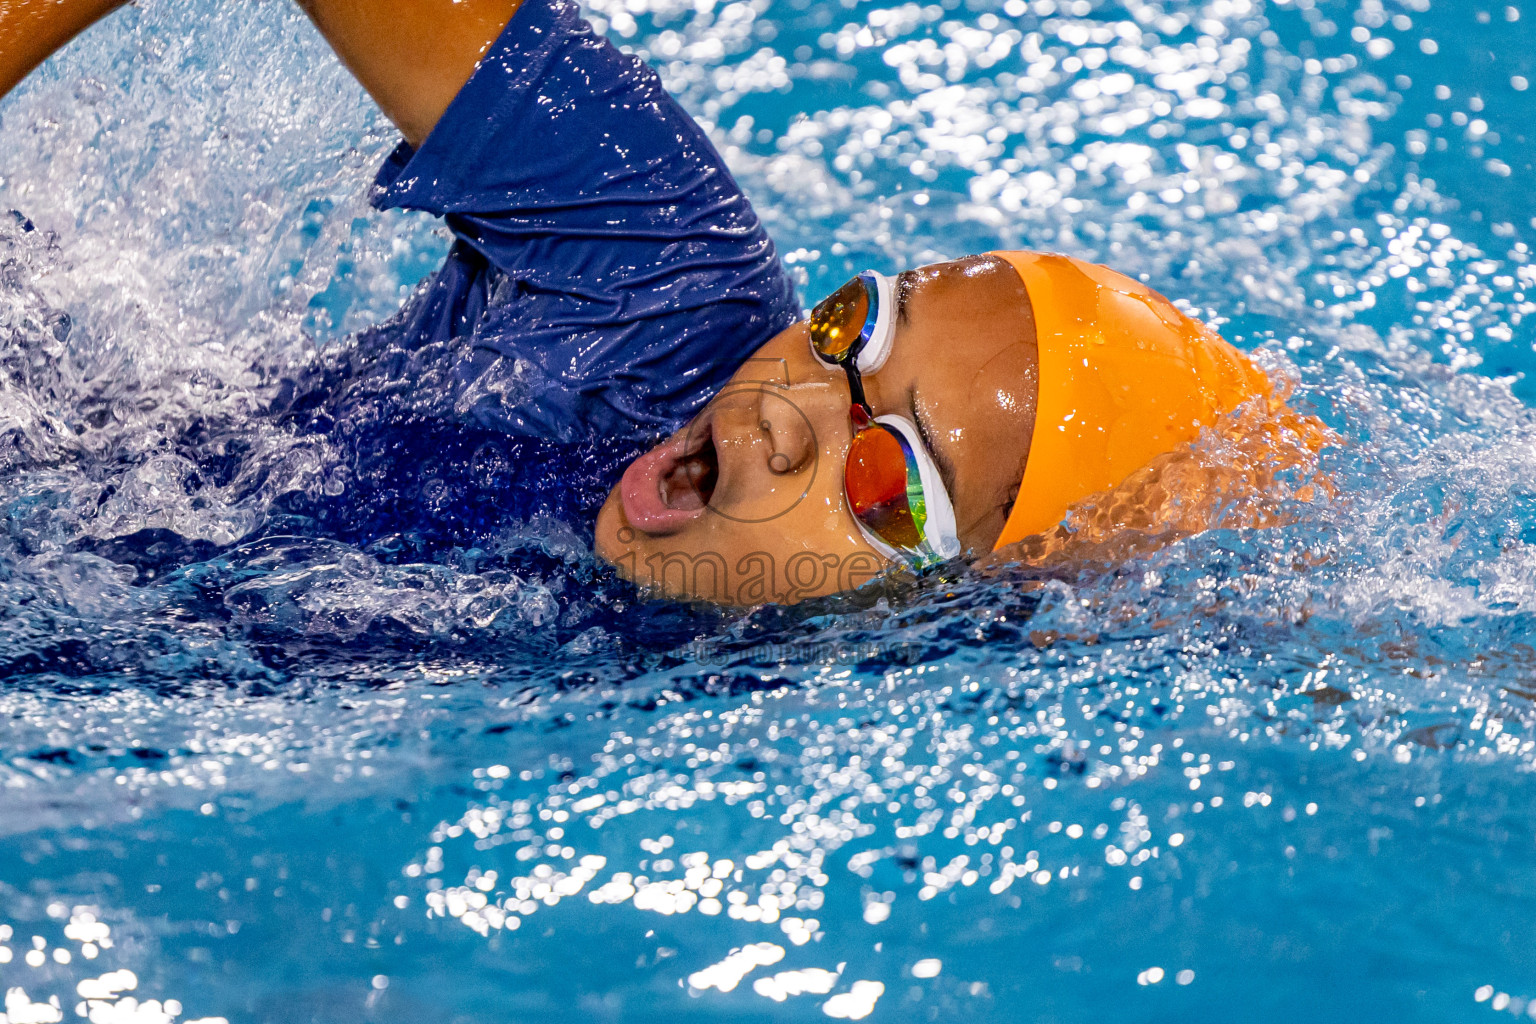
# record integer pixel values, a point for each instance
(607, 277)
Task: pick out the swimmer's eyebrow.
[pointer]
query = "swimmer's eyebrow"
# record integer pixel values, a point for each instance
(903, 287)
(940, 457)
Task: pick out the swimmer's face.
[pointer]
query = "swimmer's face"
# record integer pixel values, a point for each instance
(745, 505)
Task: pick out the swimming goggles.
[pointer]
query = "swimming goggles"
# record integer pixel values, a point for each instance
(891, 481)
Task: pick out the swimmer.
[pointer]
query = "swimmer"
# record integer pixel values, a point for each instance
(609, 280)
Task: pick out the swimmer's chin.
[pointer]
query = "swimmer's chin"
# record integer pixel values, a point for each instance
(618, 543)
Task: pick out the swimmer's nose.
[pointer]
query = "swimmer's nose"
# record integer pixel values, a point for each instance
(788, 421)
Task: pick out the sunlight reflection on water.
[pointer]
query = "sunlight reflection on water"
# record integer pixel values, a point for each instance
(292, 777)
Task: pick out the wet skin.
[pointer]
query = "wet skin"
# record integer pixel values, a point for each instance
(751, 504)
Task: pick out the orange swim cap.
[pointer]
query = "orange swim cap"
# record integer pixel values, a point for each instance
(1124, 377)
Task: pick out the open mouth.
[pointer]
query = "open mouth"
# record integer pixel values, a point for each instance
(691, 482)
(671, 485)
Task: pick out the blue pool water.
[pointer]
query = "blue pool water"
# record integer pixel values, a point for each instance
(261, 767)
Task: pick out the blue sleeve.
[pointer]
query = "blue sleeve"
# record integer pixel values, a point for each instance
(608, 275)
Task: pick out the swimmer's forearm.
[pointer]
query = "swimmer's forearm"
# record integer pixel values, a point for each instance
(413, 56)
(31, 30)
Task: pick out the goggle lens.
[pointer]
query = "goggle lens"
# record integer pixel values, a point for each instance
(884, 487)
(838, 321)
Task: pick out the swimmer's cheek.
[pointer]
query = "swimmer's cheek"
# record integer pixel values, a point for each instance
(609, 537)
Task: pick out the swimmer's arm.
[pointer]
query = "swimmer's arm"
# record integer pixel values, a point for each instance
(31, 30)
(413, 56)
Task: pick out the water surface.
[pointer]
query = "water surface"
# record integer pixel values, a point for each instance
(262, 764)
